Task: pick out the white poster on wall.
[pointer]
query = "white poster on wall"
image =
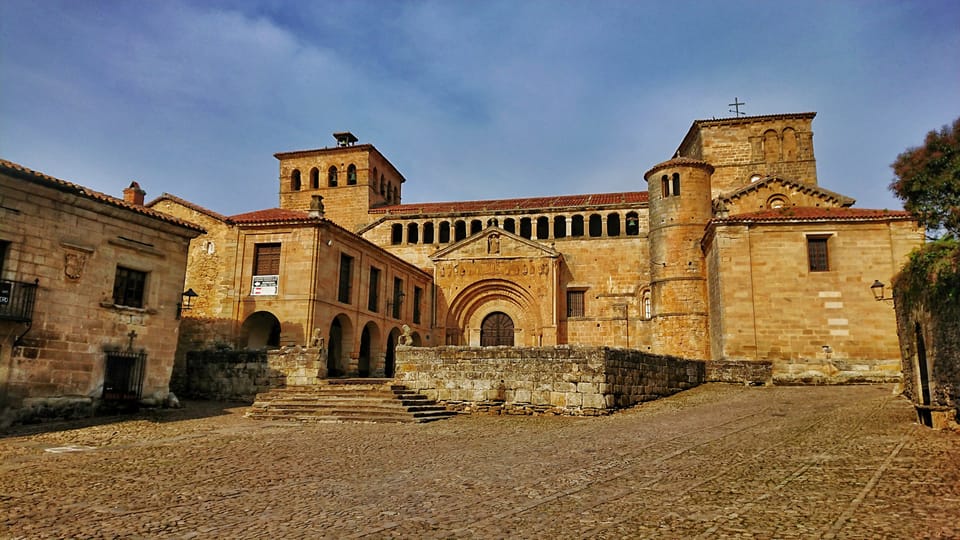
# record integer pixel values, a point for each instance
(265, 285)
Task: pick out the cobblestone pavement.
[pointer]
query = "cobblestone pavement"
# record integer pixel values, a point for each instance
(714, 462)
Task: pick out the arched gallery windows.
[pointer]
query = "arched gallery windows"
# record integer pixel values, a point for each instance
(295, 180)
(332, 177)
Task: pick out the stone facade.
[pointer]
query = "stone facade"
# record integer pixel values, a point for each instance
(568, 380)
(109, 276)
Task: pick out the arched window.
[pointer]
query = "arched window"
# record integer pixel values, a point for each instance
(664, 187)
(633, 224)
(295, 180)
(444, 232)
(396, 195)
(475, 226)
(789, 144)
(314, 178)
(428, 232)
(771, 146)
(613, 224)
(525, 230)
(576, 226)
(646, 306)
(510, 225)
(332, 177)
(560, 227)
(389, 191)
(496, 330)
(543, 227)
(413, 233)
(596, 225)
(383, 185)
(459, 230)
(396, 234)
(493, 222)
(352, 175)
(777, 201)
(676, 185)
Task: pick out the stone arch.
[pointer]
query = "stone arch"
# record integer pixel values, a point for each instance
(260, 330)
(351, 175)
(332, 176)
(476, 301)
(416, 340)
(338, 346)
(777, 200)
(369, 361)
(771, 146)
(790, 144)
(390, 353)
(314, 178)
(295, 180)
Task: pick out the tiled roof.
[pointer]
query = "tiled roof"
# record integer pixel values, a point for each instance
(188, 204)
(19, 171)
(812, 213)
(272, 215)
(803, 187)
(679, 161)
(530, 203)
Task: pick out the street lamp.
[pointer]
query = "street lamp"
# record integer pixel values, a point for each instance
(185, 304)
(878, 291)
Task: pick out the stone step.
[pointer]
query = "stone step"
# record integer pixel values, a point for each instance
(347, 400)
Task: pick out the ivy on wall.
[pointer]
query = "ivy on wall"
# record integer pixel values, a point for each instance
(931, 278)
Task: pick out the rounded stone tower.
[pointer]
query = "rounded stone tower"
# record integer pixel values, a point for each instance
(680, 207)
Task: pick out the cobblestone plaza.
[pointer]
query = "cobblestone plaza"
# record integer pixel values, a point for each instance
(719, 461)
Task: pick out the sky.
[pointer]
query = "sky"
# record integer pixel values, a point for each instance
(468, 99)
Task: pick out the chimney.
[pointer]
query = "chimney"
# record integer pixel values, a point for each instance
(316, 206)
(133, 194)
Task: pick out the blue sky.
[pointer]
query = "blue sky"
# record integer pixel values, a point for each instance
(470, 100)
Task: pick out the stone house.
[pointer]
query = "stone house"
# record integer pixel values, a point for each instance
(90, 289)
(731, 252)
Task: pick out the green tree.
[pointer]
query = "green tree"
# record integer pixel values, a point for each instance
(928, 180)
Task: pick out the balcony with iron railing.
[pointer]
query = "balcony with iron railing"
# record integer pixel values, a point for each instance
(17, 299)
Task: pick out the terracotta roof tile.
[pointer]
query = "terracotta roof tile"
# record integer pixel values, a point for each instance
(30, 175)
(272, 215)
(805, 213)
(677, 161)
(529, 203)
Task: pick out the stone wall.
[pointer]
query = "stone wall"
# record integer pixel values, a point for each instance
(934, 340)
(739, 371)
(228, 375)
(568, 380)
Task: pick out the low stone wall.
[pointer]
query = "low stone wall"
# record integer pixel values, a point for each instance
(740, 371)
(228, 375)
(568, 380)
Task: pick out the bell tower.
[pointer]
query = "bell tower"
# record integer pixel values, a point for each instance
(680, 207)
(351, 178)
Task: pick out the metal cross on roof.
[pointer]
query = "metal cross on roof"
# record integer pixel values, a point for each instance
(736, 107)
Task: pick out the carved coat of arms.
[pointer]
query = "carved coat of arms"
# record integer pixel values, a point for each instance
(73, 264)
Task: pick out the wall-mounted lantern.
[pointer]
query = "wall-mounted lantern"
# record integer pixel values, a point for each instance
(878, 292)
(185, 304)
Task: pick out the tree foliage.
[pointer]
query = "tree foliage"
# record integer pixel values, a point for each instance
(928, 180)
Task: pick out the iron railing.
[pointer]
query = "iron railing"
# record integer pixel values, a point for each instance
(123, 377)
(17, 299)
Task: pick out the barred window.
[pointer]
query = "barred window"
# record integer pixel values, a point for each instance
(817, 253)
(128, 285)
(575, 304)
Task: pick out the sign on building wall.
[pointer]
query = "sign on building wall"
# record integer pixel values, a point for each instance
(265, 285)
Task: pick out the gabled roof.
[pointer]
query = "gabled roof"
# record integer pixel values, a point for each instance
(185, 203)
(811, 189)
(546, 250)
(812, 213)
(39, 178)
(528, 203)
(271, 216)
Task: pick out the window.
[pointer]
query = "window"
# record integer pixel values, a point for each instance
(676, 185)
(647, 305)
(397, 297)
(332, 177)
(560, 226)
(525, 227)
(459, 231)
(396, 234)
(128, 285)
(417, 297)
(575, 304)
(475, 226)
(576, 226)
(346, 273)
(444, 232)
(389, 191)
(3, 255)
(596, 225)
(428, 233)
(383, 185)
(817, 253)
(664, 187)
(373, 299)
(295, 180)
(413, 233)
(510, 225)
(633, 224)
(543, 227)
(352, 175)
(266, 259)
(314, 178)
(613, 225)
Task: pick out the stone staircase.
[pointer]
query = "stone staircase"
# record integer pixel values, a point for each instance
(347, 400)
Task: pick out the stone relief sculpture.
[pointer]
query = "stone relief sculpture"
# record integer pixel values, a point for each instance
(73, 264)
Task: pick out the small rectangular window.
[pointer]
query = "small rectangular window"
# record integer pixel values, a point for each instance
(346, 275)
(397, 297)
(373, 300)
(417, 297)
(676, 185)
(817, 253)
(575, 304)
(266, 259)
(3, 255)
(128, 286)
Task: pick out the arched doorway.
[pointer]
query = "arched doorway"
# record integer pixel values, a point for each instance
(496, 330)
(260, 330)
(389, 358)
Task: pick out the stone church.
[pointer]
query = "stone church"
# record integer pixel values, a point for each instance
(729, 250)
